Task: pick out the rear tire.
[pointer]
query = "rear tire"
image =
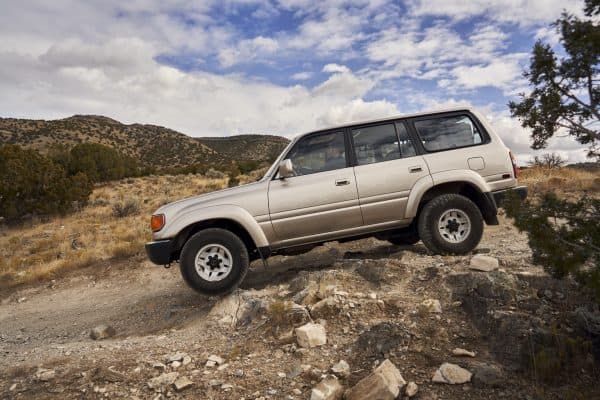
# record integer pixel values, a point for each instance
(450, 224)
(214, 261)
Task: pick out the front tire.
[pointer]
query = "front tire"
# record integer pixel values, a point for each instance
(214, 261)
(450, 224)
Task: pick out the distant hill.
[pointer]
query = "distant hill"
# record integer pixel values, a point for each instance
(247, 147)
(152, 145)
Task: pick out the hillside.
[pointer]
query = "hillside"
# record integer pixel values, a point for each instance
(150, 144)
(247, 147)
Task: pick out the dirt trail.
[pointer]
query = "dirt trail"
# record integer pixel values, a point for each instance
(155, 314)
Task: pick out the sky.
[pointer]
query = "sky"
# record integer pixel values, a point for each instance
(283, 67)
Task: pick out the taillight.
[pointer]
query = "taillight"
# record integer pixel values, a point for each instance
(157, 222)
(514, 164)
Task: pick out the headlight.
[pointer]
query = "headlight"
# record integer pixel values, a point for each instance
(157, 222)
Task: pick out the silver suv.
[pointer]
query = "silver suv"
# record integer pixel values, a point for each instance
(435, 177)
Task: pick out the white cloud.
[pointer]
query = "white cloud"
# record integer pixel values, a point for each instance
(96, 81)
(333, 68)
(301, 76)
(248, 50)
(522, 12)
(503, 73)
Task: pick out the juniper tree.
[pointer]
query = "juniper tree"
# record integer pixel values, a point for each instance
(564, 235)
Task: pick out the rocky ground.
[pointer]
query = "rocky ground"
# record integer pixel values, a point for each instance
(364, 319)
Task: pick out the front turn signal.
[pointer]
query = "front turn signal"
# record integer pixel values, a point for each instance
(157, 222)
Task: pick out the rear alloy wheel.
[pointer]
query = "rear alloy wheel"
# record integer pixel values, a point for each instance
(214, 261)
(450, 224)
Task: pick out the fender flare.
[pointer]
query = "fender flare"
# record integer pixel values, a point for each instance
(231, 212)
(439, 178)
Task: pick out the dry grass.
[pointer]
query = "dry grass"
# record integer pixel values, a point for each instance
(40, 251)
(564, 180)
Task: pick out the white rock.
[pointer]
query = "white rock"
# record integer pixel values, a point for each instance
(311, 335)
(210, 363)
(162, 381)
(341, 369)
(182, 383)
(328, 389)
(463, 353)
(226, 387)
(44, 375)
(186, 360)
(411, 389)
(297, 391)
(431, 306)
(175, 364)
(384, 383)
(281, 375)
(484, 263)
(176, 357)
(216, 359)
(451, 374)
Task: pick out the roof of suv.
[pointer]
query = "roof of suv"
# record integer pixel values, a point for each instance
(390, 118)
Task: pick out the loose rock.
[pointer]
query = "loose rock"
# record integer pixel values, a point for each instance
(328, 389)
(384, 383)
(411, 389)
(341, 369)
(102, 332)
(44, 375)
(479, 262)
(463, 353)
(311, 335)
(182, 383)
(162, 381)
(451, 374)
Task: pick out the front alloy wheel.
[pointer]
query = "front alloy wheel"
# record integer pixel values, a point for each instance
(214, 261)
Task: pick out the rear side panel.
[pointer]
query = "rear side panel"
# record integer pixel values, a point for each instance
(485, 155)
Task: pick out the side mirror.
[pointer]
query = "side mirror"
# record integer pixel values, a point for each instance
(286, 169)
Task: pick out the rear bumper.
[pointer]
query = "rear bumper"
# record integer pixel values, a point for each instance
(160, 252)
(500, 195)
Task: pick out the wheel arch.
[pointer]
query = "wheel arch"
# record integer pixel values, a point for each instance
(470, 185)
(224, 223)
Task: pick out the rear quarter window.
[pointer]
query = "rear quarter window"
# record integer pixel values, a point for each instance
(448, 132)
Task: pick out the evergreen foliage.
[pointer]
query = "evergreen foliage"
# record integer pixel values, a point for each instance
(564, 235)
(33, 184)
(565, 92)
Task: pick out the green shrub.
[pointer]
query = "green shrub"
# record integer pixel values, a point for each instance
(100, 163)
(33, 184)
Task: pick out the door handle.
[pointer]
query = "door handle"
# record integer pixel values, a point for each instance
(415, 169)
(342, 182)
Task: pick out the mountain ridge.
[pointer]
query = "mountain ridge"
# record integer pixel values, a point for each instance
(152, 145)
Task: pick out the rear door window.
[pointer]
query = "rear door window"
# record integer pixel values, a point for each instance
(448, 132)
(379, 143)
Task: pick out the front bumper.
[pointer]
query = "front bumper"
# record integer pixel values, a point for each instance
(160, 252)
(500, 195)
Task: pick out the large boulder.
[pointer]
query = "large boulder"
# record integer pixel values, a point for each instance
(384, 383)
(479, 262)
(311, 335)
(451, 374)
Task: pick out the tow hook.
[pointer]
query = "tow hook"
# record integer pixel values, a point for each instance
(167, 266)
